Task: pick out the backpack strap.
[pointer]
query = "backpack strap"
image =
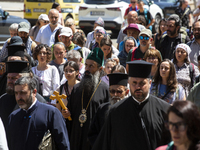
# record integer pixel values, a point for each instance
(133, 54)
(183, 38)
(191, 68)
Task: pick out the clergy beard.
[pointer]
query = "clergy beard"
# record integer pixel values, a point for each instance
(26, 103)
(115, 99)
(140, 97)
(89, 82)
(10, 89)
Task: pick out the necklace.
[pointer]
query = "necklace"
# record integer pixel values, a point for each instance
(83, 115)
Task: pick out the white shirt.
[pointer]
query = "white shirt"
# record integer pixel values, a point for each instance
(46, 36)
(3, 142)
(49, 78)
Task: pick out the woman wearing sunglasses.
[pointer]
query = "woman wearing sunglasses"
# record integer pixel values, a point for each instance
(165, 85)
(184, 126)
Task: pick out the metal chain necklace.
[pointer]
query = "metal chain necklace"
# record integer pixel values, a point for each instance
(83, 115)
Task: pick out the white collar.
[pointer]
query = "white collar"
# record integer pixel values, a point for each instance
(142, 101)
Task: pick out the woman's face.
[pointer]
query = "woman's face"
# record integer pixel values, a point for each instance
(129, 45)
(42, 56)
(152, 59)
(106, 50)
(109, 67)
(98, 37)
(58, 8)
(70, 73)
(163, 26)
(180, 54)
(178, 130)
(164, 69)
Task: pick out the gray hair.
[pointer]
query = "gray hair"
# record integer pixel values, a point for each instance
(73, 54)
(13, 27)
(53, 9)
(26, 81)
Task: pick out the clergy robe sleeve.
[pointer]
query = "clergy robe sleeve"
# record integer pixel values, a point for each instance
(59, 131)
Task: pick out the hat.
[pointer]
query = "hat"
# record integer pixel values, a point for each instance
(174, 17)
(97, 55)
(139, 68)
(66, 31)
(17, 66)
(43, 17)
(100, 22)
(146, 32)
(23, 27)
(101, 30)
(118, 79)
(185, 47)
(131, 26)
(15, 41)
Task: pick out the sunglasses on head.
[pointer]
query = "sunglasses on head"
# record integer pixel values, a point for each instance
(144, 37)
(116, 91)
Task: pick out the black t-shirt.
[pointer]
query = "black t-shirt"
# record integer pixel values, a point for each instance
(148, 17)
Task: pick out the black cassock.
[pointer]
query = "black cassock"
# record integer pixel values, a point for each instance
(78, 135)
(27, 128)
(131, 125)
(8, 104)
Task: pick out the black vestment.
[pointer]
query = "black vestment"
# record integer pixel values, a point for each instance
(78, 135)
(123, 128)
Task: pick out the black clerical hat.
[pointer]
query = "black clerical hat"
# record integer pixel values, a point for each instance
(139, 68)
(16, 47)
(118, 79)
(17, 66)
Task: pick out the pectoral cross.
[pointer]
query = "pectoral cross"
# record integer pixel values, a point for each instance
(59, 98)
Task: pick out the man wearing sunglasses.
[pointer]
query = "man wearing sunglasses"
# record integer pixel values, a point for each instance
(118, 91)
(145, 38)
(136, 122)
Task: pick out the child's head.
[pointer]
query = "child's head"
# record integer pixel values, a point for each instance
(118, 69)
(71, 70)
(106, 47)
(59, 51)
(109, 64)
(129, 44)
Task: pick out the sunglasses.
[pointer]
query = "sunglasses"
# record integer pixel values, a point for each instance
(116, 91)
(133, 2)
(45, 21)
(144, 37)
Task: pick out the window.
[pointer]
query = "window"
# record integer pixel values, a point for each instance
(41, 1)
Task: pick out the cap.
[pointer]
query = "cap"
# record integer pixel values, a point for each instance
(146, 32)
(100, 22)
(99, 29)
(131, 26)
(16, 51)
(66, 31)
(43, 17)
(118, 79)
(97, 55)
(17, 66)
(139, 69)
(23, 27)
(174, 17)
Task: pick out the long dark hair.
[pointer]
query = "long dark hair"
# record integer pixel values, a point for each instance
(172, 82)
(107, 41)
(55, 4)
(159, 31)
(191, 117)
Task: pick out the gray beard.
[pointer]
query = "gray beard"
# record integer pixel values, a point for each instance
(89, 83)
(9, 90)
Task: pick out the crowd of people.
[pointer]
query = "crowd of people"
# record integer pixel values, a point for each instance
(142, 94)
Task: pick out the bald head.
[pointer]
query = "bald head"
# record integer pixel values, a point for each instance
(53, 16)
(132, 17)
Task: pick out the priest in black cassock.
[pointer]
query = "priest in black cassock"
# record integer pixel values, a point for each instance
(15, 70)
(28, 124)
(118, 91)
(137, 122)
(85, 99)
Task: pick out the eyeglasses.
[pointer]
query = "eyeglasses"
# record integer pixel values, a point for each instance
(196, 29)
(69, 71)
(116, 91)
(180, 126)
(45, 21)
(144, 37)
